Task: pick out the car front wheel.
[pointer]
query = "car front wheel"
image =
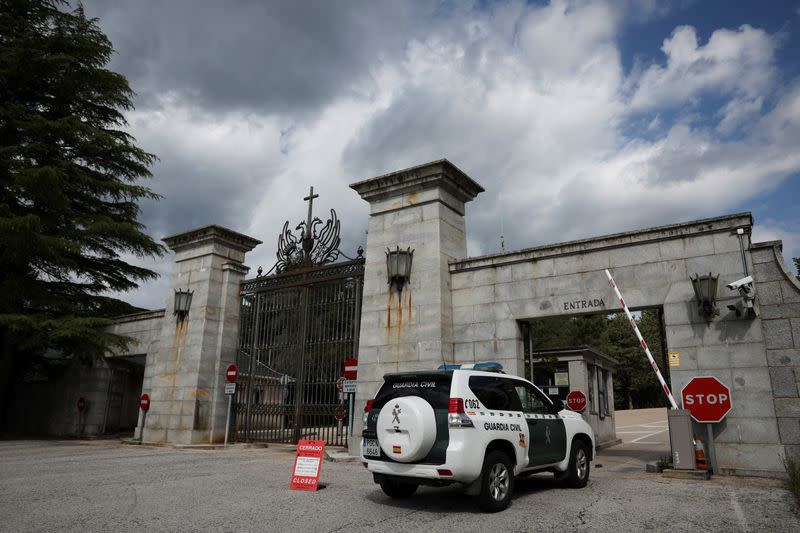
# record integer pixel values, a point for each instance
(497, 482)
(577, 474)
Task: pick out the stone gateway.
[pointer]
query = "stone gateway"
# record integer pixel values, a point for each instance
(459, 309)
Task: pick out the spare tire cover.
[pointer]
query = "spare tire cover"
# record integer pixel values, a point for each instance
(406, 428)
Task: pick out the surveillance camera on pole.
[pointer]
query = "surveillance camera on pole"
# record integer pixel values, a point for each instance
(744, 307)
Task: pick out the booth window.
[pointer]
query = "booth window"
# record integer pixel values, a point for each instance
(592, 408)
(602, 391)
(552, 378)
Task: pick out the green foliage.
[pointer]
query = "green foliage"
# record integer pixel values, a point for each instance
(635, 383)
(69, 176)
(793, 471)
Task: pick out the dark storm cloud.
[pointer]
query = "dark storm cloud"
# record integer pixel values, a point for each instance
(279, 57)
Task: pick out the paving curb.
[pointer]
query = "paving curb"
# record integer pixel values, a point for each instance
(686, 474)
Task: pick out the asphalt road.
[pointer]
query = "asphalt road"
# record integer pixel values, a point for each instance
(106, 486)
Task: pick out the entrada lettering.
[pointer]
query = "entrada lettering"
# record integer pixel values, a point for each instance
(584, 304)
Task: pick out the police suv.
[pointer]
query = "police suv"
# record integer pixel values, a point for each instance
(473, 425)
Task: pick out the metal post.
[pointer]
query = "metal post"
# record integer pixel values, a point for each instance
(712, 455)
(299, 387)
(350, 414)
(740, 234)
(248, 392)
(530, 351)
(228, 419)
(141, 430)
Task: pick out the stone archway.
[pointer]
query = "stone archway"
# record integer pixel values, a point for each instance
(465, 309)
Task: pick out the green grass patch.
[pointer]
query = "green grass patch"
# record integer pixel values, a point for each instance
(793, 470)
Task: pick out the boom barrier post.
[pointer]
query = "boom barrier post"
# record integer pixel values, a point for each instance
(642, 342)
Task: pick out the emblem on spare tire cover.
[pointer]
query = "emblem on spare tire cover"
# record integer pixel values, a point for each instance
(396, 413)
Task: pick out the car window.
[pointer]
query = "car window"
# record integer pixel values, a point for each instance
(495, 393)
(532, 400)
(434, 389)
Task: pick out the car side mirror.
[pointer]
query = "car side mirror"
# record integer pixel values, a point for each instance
(558, 404)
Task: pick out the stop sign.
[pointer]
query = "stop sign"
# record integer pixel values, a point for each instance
(339, 412)
(576, 400)
(707, 399)
(350, 368)
(232, 373)
(144, 402)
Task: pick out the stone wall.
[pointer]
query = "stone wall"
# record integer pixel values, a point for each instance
(109, 385)
(652, 268)
(778, 295)
(474, 313)
(144, 328)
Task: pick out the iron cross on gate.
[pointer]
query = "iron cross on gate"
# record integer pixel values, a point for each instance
(310, 200)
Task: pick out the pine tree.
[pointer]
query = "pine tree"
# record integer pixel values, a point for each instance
(69, 188)
(797, 265)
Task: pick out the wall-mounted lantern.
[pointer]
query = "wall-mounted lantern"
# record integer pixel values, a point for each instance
(183, 300)
(398, 267)
(705, 290)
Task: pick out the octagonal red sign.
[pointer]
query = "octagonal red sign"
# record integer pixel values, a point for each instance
(707, 399)
(576, 400)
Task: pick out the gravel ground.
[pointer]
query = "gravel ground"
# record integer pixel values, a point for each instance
(105, 486)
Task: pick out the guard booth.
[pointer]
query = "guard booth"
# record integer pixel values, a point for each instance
(583, 368)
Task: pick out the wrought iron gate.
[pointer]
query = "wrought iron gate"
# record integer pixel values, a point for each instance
(296, 329)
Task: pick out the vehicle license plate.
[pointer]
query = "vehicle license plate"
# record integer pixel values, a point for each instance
(370, 448)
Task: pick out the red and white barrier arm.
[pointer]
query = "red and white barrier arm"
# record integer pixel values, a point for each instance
(642, 341)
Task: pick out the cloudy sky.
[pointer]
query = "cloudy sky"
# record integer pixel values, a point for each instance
(579, 118)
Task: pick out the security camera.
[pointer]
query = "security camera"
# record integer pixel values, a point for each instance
(739, 283)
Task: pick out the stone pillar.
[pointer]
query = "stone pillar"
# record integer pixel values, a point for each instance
(184, 378)
(421, 208)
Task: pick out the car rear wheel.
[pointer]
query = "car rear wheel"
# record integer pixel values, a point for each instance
(497, 482)
(577, 474)
(397, 489)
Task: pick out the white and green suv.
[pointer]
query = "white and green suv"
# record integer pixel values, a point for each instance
(472, 425)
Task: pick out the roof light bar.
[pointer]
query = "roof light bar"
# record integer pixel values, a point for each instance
(486, 367)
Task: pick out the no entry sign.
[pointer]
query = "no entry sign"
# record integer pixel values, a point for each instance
(350, 368)
(576, 400)
(707, 399)
(232, 373)
(144, 402)
(307, 465)
(339, 412)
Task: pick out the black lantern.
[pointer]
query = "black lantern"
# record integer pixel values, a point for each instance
(705, 290)
(398, 267)
(183, 300)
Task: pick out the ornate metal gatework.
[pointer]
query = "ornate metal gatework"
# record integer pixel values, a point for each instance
(297, 326)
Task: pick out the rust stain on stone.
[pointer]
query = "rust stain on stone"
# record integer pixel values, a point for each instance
(412, 198)
(409, 305)
(399, 313)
